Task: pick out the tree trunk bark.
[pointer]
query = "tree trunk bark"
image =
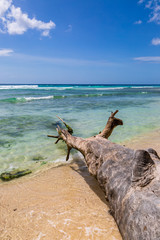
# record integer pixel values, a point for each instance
(130, 180)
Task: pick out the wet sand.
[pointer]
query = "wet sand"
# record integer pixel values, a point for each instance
(63, 202)
(149, 140)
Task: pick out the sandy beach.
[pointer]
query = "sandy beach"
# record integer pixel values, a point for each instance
(63, 202)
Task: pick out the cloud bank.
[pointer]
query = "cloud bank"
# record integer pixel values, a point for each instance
(13, 21)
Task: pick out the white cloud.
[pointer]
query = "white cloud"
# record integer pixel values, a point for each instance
(69, 28)
(4, 6)
(154, 6)
(148, 4)
(148, 59)
(156, 41)
(154, 16)
(45, 33)
(5, 52)
(138, 22)
(14, 21)
(140, 1)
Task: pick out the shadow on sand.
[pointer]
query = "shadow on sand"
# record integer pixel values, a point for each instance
(78, 165)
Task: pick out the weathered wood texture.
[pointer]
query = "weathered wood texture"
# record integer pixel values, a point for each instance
(130, 180)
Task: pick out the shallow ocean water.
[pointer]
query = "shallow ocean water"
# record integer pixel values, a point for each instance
(28, 114)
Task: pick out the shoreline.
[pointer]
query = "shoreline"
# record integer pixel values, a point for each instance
(147, 140)
(63, 201)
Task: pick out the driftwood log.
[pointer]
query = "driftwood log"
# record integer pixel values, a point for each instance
(130, 180)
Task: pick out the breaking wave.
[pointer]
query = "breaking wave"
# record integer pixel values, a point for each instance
(28, 99)
(71, 87)
(37, 87)
(8, 87)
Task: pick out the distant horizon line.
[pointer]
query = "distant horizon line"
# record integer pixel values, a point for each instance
(83, 84)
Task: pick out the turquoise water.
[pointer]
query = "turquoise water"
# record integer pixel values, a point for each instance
(28, 114)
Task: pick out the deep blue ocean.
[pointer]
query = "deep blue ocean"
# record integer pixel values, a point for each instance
(28, 114)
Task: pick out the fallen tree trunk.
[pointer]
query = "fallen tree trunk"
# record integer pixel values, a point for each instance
(130, 180)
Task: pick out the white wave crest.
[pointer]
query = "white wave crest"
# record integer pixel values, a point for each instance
(35, 98)
(10, 87)
(143, 87)
(98, 88)
(56, 88)
(110, 88)
(7, 87)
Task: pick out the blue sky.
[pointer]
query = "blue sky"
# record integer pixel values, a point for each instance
(68, 41)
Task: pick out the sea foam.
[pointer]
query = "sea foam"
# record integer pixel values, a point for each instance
(8, 87)
(35, 98)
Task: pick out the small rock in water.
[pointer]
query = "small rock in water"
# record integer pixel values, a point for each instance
(7, 176)
(37, 158)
